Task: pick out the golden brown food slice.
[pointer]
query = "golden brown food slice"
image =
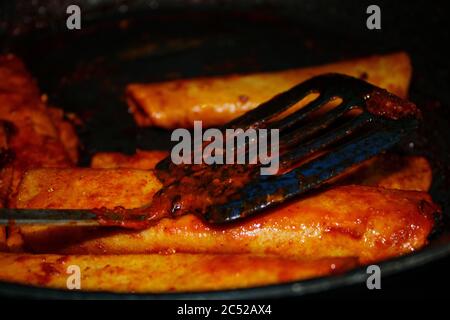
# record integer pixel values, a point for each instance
(95, 188)
(364, 222)
(143, 160)
(217, 100)
(86, 188)
(163, 273)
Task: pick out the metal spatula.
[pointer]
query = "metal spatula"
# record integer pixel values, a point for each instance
(316, 143)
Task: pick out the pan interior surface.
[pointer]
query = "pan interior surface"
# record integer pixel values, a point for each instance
(86, 73)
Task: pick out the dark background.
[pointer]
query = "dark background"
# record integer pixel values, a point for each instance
(122, 41)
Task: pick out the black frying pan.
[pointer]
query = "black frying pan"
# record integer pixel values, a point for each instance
(123, 41)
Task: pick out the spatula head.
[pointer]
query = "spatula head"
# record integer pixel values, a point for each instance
(347, 121)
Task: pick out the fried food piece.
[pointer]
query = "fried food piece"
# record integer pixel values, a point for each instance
(86, 188)
(217, 100)
(143, 160)
(31, 136)
(94, 188)
(369, 223)
(164, 273)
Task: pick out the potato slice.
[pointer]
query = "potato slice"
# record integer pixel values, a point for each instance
(86, 188)
(217, 100)
(364, 222)
(163, 273)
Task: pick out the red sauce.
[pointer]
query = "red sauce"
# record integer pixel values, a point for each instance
(186, 189)
(385, 104)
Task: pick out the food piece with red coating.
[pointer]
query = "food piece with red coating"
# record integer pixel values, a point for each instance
(29, 138)
(164, 273)
(79, 188)
(217, 100)
(32, 138)
(365, 222)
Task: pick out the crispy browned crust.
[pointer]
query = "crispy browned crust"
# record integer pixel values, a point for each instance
(217, 100)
